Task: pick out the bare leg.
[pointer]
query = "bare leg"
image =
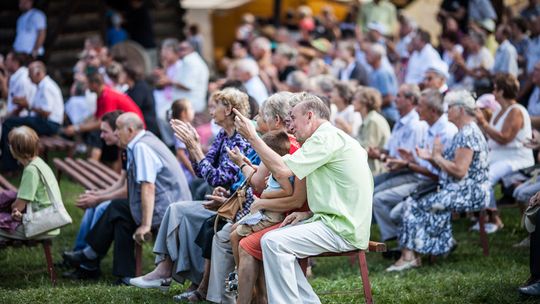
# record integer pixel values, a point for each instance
(260, 296)
(248, 271)
(203, 287)
(407, 255)
(95, 154)
(235, 242)
(163, 270)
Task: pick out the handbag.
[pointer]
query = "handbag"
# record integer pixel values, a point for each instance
(230, 207)
(46, 219)
(530, 218)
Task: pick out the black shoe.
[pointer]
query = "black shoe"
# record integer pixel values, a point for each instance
(82, 274)
(531, 290)
(76, 258)
(122, 282)
(392, 254)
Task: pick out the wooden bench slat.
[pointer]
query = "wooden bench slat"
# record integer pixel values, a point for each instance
(95, 170)
(115, 175)
(73, 174)
(5, 184)
(98, 182)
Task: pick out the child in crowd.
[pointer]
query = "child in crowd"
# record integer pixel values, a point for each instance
(37, 176)
(181, 109)
(275, 188)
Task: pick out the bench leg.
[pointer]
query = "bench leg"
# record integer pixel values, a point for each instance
(364, 273)
(303, 264)
(138, 260)
(48, 258)
(352, 260)
(483, 234)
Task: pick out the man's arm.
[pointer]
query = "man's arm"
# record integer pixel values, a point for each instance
(39, 41)
(283, 204)
(273, 161)
(148, 191)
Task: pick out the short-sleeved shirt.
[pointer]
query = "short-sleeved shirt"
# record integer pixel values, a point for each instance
(408, 132)
(20, 85)
(49, 98)
(506, 59)
(148, 163)
(445, 131)
(32, 188)
(28, 26)
(112, 100)
(339, 182)
(384, 79)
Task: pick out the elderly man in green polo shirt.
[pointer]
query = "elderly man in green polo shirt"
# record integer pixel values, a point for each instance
(339, 190)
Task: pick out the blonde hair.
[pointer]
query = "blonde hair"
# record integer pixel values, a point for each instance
(24, 143)
(370, 97)
(232, 97)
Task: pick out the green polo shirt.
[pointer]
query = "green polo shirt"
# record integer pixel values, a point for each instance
(339, 182)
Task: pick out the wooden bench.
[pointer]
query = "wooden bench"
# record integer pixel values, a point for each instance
(6, 185)
(55, 143)
(362, 263)
(91, 174)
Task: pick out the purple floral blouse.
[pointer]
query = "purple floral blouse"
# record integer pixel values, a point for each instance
(217, 169)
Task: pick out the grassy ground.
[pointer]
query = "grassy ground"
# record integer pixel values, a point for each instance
(464, 277)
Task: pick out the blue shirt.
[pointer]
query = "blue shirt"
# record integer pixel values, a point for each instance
(408, 133)
(384, 80)
(147, 162)
(506, 59)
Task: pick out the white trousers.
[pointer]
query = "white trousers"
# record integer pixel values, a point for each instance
(285, 281)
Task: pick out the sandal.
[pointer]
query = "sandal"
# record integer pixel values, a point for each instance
(189, 296)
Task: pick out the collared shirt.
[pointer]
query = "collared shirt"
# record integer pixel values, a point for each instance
(28, 26)
(20, 85)
(402, 47)
(384, 79)
(49, 98)
(147, 162)
(193, 73)
(339, 182)
(256, 89)
(445, 131)
(534, 102)
(408, 133)
(420, 62)
(506, 59)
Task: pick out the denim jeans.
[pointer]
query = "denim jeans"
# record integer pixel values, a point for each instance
(90, 217)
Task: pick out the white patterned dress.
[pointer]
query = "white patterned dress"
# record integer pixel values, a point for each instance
(427, 227)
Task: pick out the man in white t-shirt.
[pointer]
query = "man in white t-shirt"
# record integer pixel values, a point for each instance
(193, 72)
(31, 30)
(20, 85)
(46, 111)
(423, 56)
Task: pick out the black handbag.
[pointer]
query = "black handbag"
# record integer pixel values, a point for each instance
(424, 190)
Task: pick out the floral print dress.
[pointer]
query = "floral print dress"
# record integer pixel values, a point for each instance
(426, 226)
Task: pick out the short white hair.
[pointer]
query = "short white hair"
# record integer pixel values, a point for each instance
(248, 65)
(262, 43)
(378, 50)
(461, 98)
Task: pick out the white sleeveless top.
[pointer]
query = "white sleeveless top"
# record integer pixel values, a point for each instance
(514, 153)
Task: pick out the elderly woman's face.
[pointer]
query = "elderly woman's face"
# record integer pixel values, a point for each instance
(220, 113)
(262, 126)
(453, 113)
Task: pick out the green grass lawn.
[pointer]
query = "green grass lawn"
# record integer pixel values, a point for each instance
(464, 277)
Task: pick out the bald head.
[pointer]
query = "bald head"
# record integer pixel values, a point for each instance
(130, 120)
(128, 125)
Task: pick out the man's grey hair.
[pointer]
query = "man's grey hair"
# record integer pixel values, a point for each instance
(412, 91)
(434, 100)
(310, 102)
(277, 105)
(263, 43)
(324, 82)
(171, 43)
(130, 120)
(296, 79)
(378, 50)
(248, 65)
(463, 99)
(286, 51)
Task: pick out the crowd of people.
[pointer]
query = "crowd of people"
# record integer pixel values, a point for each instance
(315, 126)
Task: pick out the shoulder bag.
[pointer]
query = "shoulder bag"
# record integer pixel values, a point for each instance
(46, 219)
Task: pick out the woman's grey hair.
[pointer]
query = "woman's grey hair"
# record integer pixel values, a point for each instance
(463, 99)
(277, 105)
(324, 82)
(286, 51)
(434, 100)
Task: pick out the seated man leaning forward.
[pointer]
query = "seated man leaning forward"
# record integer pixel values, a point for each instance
(339, 187)
(153, 182)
